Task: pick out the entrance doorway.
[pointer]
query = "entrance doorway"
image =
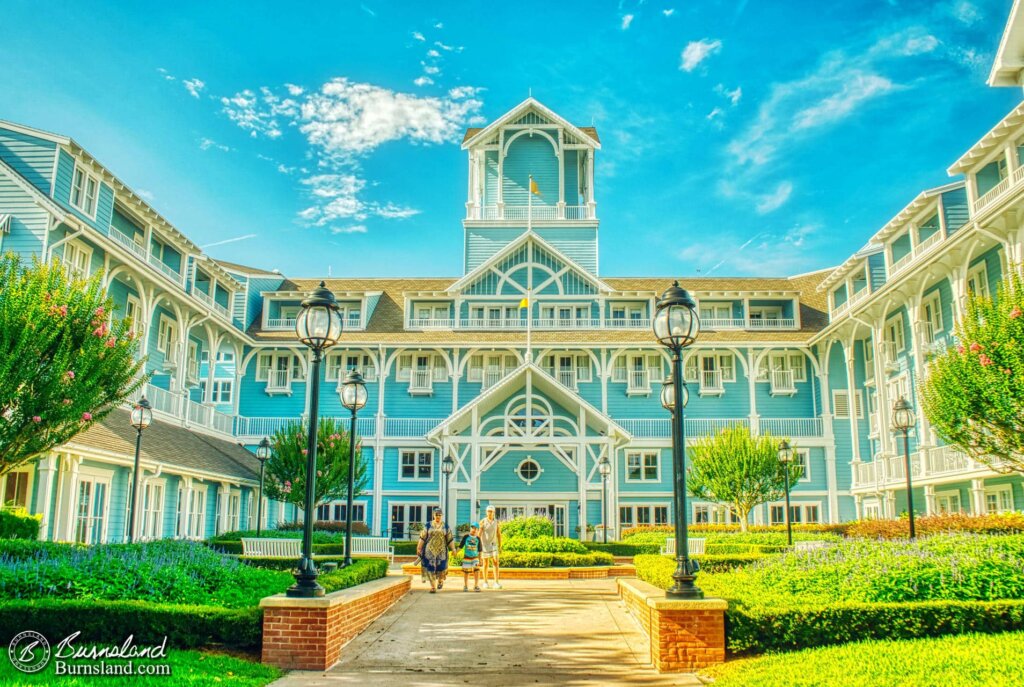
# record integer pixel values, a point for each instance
(555, 512)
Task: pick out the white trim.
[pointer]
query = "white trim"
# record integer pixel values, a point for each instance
(518, 469)
(417, 453)
(29, 484)
(644, 454)
(83, 204)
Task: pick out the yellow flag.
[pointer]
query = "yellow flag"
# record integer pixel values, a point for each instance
(525, 303)
(533, 187)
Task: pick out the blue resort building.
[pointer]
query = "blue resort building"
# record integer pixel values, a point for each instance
(527, 402)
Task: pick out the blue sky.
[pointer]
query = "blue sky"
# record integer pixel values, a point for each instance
(739, 138)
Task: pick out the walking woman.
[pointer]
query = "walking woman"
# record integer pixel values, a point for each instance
(436, 541)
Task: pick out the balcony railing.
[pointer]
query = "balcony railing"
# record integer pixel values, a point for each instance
(128, 242)
(177, 406)
(791, 426)
(538, 212)
(566, 378)
(997, 191)
(627, 323)
(853, 300)
(281, 323)
(723, 323)
(711, 382)
(410, 427)
(165, 269)
(279, 380)
(421, 382)
(490, 377)
(771, 323)
(637, 382)
(936, 463)
(782, 382)
(566, 323)
(430, 323)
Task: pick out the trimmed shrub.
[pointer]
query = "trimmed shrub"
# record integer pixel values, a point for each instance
(20, 549)
(527, 528)
(319, 536)
(1003, 523)
(18, 523)
(526, 560)
(404, 548)
(622, 548)
(539, 559)
(702, 529)
(630, 532)
(109, 622)
(362, 570)
(325, 526)
(581, 560)
(544, 544)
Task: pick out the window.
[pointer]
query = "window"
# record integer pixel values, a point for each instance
(84, 189)
(714, 515)
(76, 259)
(179, 512)
(167, 336)
(894, 332)
(234, 511)
(14, 489)
(977, 280)
(802, 457)
(192, 359)
(264, 364)
(404, 515)
(225, 357)
(528, 470)
(623, 314)
(91, 510)
(152, 510)
(339, 364)
(947, 501)
(998, 499)
(416, 465)
(841, 403)
(197, 513)
(643, 514)
(766, 312)
(798, 513)
(358, 512)
(642, 466)
(222, 389)
(899, 387)
(715, 311)
(133, 313)
(931, 312)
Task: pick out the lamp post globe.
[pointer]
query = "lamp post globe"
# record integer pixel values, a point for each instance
(262, 455)
(318, 325)
(605, 468)
(140, 417)
(447, 467)
(676, 325)
(786, 457)
(668, 395)
(903, 420)
(353, 397)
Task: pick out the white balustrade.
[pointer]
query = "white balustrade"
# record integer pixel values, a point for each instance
(791, 426)
(627, 323)
(421, 380)
(567, 378)
(705, 426)
(127, 242)
(771, 323)
(782, 382)
(637, 381)
(722, 323)
(279, 380)
(430, 323)
(999, 189)
(410, 427)
(164, 269)
(539, 212)
(711, 382)
(281, 323)
(163, 401)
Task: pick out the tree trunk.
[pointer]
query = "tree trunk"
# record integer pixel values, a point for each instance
(743, 516)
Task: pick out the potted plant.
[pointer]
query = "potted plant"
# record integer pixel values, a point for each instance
(415, 529)
(589, 534)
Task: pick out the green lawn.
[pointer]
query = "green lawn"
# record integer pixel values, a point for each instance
(187, 668)
(960, 661)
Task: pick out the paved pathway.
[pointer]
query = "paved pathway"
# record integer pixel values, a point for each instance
(563, 632)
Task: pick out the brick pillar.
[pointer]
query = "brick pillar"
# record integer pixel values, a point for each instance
(684, 635)
(308, 634)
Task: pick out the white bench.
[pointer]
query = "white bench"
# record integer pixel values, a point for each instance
(373, 546)
(694, 546)
(271, 548)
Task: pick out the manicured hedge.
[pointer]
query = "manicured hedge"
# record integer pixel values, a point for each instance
(619, 548)
(701, 529)
(112, 621)
(539, 559)
(527, 527)
(358, 527)
(18, 523)
(362, 570)
(544, 544)
(1003, 523)
(289, 564)
(404, 548)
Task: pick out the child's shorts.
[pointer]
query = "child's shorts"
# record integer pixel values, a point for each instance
(469, 566)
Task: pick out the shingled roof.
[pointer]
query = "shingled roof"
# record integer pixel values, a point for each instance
(170, 444)
(588, 130)
(387, 323)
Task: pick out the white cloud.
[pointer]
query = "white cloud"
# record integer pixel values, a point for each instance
(764, 203)
(448, 48)
(857, 88)
(208, 143)
(167, 75)
(294, 90)
(696, 52)
(433, 53)
(669, 12)
(284, 169)
(438, 25)
(145, 195)
(368, 10)
(423, 81)
(727, 252)
(717, 112)
(776, 199)
(732, 96)
(193, 86)
(907, 43)
(392, 211)
(966, 13)
(627, 19)
(430, 69)
(353, 229)
(418, 36)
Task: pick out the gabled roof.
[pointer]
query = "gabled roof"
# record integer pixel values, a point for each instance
(477, 135)
(246, 270)
(990, 141)
(528, 372)
(510, 248)
(1009, 59)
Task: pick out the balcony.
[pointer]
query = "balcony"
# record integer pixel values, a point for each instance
(853, 300)
(771, 323)
(281, 323)
(999, 191)
(890, 356)
(430, 323)
(782, 383)
(491, 377)
(711, 383)
(791, 426)
(172, 355)
(421, 382)
(518, 213)
(566, 378)
(723, 323)
(178, 407)
(128, 242)
(627, 323)
(279, 382)
(929, 466)
(638, 383)
(165, 269)
(919, 250)
(208, 300)
(410, 427)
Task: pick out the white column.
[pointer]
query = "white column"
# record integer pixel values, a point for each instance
(44, 492)
(924, 427)
(186, 506)
(929, 500)
(882, 392)
(752, 389)
(224, 489)
(66, 500)
(849, 355)
(858, 505)
(978, 496)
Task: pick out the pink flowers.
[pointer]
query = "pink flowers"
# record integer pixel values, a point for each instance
(36, 419)
(100, 311)
(287, 487)
(67, 401)
(1015, 313)
(86, 417)
(69, 375)
(960, 350)
(332, 444)
(975, 347)
(984, 360)
(100, 331)
(334, 437)
(61, 310)
(305, 452)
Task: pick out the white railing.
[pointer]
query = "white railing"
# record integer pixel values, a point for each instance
(163, 400)
(485, 323)
(281, 323)
(627, 323)
(772, 323)
(723, 323)
(279, 380)
(167, 270)
(948, 459)
(128, 242)
(711, 382)
(890, 354)
(430, 323)
(637, 382)
(704, 426)
(538, 212)
(566, 378)
(782, 382)
(421, 381)
(490, 377)
(261, 426)
(172, 354)
(198, 414)
(791, 426)
(659, 428)
(566, 323)
(927, 333)
(193, 369)
(866, 473)
(409, 426)
(203, 297)
(222, 422)
(929, 243)
(999, 189)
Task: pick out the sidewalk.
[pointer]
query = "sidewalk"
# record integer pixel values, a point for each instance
(572, 632)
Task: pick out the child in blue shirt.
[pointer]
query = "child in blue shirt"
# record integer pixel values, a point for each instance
(470, 546)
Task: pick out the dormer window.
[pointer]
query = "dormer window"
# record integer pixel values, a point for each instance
(84, 191)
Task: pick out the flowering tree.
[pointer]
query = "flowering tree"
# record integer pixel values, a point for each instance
(63, 365)
(974, 393)
(286, 468)
(738, 469)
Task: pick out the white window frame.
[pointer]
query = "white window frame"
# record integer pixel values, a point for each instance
(93, 476)
(635, 507)
(167, 334)
(643, 461)
(225, 357)
(76, 252)
(416, 454)
(197, 511)
(529, 459)
(152, 523)
(979, 275)
(263, 371)
(799, 512)
(803, 456)
(132, 303)
(858, 400)
(899, 386)
(223, 391)
(934, 302)
(766, 313)
(999, 490)
(4, 496)
(713, 513)
(948, 497)
(894, 332)
(79, 197)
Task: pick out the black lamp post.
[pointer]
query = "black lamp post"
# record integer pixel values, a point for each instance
(140, 417)
(353, 397)
(318, 325)
(786, 457)
(262, 454)
(676, 325)
(605, 468)
(447, 467)
(903, 421)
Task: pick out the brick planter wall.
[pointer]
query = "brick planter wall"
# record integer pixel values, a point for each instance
(308, 634)
(683, 635)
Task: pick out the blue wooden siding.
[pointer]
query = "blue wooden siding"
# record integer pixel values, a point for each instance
(530, 155)
(954, 207)
(29, 156)
(876, 268)
(482, 243)
(577, 244)
(490, 178)
(254, 304)
(572, 178)
(28, 220)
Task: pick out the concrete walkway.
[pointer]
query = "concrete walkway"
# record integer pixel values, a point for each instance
(565, 632)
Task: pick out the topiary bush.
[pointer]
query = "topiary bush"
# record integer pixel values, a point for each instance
(18, 523)
(527, 527)
(544, 543)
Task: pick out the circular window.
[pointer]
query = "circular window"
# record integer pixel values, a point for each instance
(528, 470)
